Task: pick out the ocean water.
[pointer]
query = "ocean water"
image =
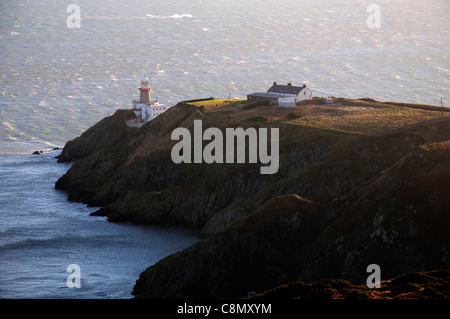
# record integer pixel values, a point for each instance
(56, 81)
(41, 234)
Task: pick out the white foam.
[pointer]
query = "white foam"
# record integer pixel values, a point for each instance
(173, 16)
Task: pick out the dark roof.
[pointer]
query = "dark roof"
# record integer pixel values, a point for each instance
(265, 95)
(287, 89)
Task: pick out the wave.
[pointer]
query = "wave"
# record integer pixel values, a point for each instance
(58, 241)
(174, 16)
(8, 126)
(17, 145)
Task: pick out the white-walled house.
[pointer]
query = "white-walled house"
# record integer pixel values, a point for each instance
(145, 109)
(283, 95)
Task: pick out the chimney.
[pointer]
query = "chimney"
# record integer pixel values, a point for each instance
(274, 83)
(289, 84)
(304, 85)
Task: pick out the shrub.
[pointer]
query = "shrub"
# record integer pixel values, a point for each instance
(295, 115)
(253, 104)
(258, 119)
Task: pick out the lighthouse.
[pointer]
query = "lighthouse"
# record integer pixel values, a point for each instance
(144, 91)
(145, 109)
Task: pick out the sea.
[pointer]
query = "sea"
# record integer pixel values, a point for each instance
(65, 65)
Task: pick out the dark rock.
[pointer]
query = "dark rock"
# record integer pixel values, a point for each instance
(255, 252)
(269, 248)
(38, 152)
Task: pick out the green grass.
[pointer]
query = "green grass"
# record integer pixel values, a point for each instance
(381, 118)
(354, 116)
(215, 102)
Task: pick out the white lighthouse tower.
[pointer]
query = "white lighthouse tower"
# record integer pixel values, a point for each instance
(145, 109)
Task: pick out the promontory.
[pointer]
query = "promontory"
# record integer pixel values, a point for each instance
(360, 182)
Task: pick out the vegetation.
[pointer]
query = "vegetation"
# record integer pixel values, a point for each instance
(359, 116)
(198, 100)
(254, 104)
(258, 119)
(294, 115)
(214, 102)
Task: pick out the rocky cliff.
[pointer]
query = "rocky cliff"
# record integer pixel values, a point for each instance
(359, 182)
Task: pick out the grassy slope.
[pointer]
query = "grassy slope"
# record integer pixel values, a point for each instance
(364, 116)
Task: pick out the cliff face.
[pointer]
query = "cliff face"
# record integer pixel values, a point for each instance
(346, 195)
(291, 239)
(397, 220)
(250, 254)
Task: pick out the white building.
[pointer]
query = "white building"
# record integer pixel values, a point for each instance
(284, 95)
(330, 99)
(145, 109)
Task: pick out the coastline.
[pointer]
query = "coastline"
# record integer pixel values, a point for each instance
(130, 175)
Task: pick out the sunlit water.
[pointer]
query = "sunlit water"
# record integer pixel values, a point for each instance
(55, 82)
